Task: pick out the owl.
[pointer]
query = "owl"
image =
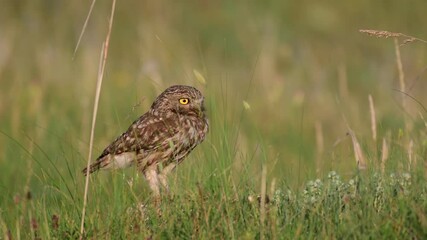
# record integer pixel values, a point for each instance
(161, 138)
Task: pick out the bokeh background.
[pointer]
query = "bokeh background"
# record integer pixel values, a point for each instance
(300, 67)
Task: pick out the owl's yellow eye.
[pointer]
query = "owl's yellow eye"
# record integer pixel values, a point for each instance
(184, 101)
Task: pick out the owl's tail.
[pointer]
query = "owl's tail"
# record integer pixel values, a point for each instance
(110, 161)
(93, 167)
(101, 162)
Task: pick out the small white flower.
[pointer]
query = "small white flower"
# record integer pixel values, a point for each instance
(406, 176)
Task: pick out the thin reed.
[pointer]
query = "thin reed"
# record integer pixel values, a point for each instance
(101, 70)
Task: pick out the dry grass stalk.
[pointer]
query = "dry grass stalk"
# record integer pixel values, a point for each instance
(373, 118)
(199, 77)
(102, 62)
(358, 154)
(425, 167)
(396, 37)
(263, 196)
(320, 146)
(422, 118)
(384, 155)
(380, 33)
(4, 228)
(387, 34)
(411, 158)
(273, 187)
(27, 192)
(84, 27)
(246, 105)
(400, 70)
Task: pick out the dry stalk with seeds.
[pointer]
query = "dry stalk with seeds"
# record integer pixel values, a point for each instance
(400, 39)
(395, 36)
(387, 34)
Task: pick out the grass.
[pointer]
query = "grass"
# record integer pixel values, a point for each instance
(302, 108)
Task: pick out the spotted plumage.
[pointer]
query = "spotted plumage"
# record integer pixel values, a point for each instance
(161, 138)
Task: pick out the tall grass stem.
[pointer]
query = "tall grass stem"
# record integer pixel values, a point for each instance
(84, 28)
(263, 196)
(384, 155)
(399, 64)
(373, 118)
(103, 60)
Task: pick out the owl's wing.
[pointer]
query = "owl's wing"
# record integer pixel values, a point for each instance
(146, 133)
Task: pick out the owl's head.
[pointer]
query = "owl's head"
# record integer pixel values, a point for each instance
(179, 99)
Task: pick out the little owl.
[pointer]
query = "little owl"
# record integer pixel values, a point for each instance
(161, 138)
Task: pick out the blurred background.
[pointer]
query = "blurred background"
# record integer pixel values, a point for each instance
(283, 80)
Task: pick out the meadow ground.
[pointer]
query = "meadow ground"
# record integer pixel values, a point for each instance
(318, 131)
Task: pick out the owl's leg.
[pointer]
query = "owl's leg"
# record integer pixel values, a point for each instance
(163, 175)
(153, 180)
(164, 181)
